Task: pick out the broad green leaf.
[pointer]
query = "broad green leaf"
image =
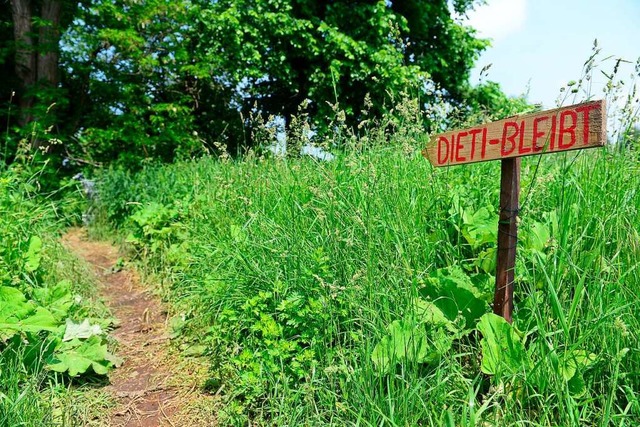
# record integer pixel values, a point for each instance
(10, 295)
(576, 385)
(537, 236)
(18, 315)
(405, 340)
(76, 357)
(440, 341)
(487, 260)
(80, 330)
(11, 314)
(41, 320)
(571, 361)
(35, 348)
(568, 368)
(453, 292)
(502, 351)
(57, 299)
(479, 227)
(572, 364)
(33, 255)
(71, 362)
(428, 312)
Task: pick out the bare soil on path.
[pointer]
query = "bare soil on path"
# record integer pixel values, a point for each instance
(153, 387)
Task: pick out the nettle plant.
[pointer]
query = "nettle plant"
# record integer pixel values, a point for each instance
(38, 321)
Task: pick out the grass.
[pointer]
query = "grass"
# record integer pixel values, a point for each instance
(30, 394)
(289, 273)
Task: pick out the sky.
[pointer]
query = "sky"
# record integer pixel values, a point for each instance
(540, 45)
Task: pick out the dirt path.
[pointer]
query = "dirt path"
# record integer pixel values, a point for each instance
(153, 387)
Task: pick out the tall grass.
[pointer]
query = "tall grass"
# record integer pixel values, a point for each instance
(30, 395)
(290, 275)
(289, 272)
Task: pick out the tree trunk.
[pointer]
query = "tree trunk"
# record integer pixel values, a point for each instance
(25, 62)
(48, 38)
(36, 60)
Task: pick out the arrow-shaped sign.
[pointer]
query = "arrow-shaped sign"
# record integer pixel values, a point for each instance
(568, 128)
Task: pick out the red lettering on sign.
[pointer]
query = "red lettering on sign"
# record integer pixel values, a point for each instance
(565, 128)
(474, 133)
(571, 130)
(442, 160)
(484, 143)
(459, 146)
(538, 134)
(552, 144)
(504, 151)
(521, 148)
(585, 110)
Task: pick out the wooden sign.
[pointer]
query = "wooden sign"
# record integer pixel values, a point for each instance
(567, 128)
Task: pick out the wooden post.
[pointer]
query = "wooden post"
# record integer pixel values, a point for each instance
(507, 237)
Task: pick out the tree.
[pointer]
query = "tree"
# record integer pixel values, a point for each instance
(30, 88)
(437, 44)
(281, 52)
(130, 70)
(36, 35)
(157, 79)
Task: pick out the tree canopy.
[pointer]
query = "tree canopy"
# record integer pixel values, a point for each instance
(159, 79)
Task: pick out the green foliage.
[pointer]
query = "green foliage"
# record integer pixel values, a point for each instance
(72, 348)
(128, 74)
(33, 255)
(19, 315)
(337, 53)
(479, 227)
(162, 80)
(456, 295)
(488, 102)
(344, 292)
(154, 225)
(284, 334)
(423, 337)
(43, 292)
(406, 342)
(572, 365)
(58, 298)
(77, 356)
(438, 44)
(502, 350)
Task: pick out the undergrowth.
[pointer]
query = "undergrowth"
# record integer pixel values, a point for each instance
(357, 291)
(52, 329)
(353, 292)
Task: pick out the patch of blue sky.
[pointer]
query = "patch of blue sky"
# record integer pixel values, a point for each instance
(538, 46)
